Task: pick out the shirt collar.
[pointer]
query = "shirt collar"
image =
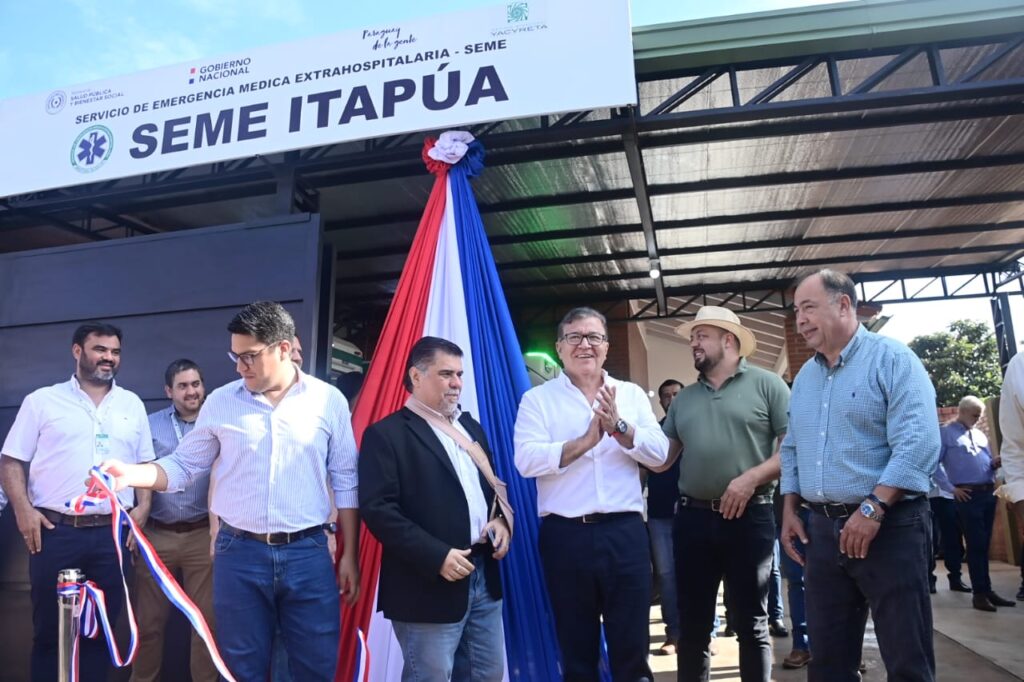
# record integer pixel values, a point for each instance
(848, 352)
(76, 387)
(455, 415)
(740, 369)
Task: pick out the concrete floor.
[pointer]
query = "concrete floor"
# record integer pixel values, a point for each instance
(969, 645)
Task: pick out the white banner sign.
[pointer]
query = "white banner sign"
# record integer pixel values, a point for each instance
(502, 62)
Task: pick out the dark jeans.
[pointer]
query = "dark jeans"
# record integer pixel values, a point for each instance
(258, 588)
(775, 609)
(947, 528)
(891, 581)
(794, 575)
(92, 551)
(976, 518)
(595, 571)
(708, 548)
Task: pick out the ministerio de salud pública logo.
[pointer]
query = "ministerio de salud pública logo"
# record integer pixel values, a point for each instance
(55, 101)
(91, 149)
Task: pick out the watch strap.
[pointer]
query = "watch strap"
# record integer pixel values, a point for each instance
(882, 505)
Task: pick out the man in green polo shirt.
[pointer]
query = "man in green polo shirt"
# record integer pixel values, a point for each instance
(727, 426)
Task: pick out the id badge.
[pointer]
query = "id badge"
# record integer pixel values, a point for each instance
(102, 445)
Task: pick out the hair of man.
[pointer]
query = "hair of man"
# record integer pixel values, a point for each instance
(579, 314)
(422, 354)
(266, 321)
(836, 284)
(178, 366)
(669, 382)
(98, 328)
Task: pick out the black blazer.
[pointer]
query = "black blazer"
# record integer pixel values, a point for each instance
(411, 500)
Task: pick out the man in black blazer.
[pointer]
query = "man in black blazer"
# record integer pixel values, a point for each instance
(425, 500)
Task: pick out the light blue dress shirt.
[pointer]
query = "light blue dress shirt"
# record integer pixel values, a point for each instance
(189, 504)
(273, 467)
(869, 420)
(965, 458)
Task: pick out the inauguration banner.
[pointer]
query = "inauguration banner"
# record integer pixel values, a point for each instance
(506, 61)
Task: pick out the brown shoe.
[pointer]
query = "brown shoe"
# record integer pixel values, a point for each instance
(996, 600)
(981, 602)
(798, 658)
(667, 649)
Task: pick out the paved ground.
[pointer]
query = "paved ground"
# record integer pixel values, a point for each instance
(969, 645)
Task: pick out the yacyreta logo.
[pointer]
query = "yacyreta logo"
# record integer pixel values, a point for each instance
(92, 149)
(517, 11)
(55, 102)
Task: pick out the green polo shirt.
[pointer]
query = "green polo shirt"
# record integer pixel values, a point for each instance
(728, 431)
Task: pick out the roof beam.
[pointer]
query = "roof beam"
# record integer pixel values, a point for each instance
(638, 174)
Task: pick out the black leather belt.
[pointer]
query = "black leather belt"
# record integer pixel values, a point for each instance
(833, 510)
(596, 517)
(182, 526)
(76, 520)
(977, 487)
(716, 504)
(276, 538)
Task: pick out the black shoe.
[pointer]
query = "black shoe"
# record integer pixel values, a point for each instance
(1020, 593)
(932, 589)
(776, 628)
(728, 632)
(982, 603)
(957, 585)
(996, 600)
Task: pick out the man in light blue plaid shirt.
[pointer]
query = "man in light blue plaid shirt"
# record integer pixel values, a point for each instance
(862, 443)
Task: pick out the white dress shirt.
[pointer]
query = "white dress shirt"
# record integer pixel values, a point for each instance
(1011, 424)
(606, 478)
(273, 466)
(469, 476)
(61, 433)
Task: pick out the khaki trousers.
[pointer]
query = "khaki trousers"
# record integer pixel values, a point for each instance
(189, 552)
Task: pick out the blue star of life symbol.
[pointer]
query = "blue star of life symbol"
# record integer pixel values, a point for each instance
(92, 148)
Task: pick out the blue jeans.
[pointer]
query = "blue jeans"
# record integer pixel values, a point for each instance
(660, 531)
(258, 588)
(470, 650)
(775, 610)
(976, 518)
(892, 581)
(794, 574)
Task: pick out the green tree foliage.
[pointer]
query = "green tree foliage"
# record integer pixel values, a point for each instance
(961, 361)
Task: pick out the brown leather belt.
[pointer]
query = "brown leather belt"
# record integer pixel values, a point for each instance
(75, 520)
(596, 517)
(182, 526)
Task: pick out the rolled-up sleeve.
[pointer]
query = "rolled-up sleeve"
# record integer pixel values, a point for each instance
(789, 482)
(195, 453)
(342, 459)
(535, 453)
(912, 425)
(650, 444)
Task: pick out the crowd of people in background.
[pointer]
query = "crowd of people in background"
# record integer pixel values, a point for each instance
(847, 471)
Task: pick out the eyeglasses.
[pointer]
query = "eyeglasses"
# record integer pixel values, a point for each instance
(575, 339)
(247, 359)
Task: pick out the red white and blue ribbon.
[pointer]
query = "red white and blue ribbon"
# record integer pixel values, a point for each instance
(100, 489)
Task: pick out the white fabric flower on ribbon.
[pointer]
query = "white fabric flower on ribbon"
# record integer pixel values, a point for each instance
(451, 146)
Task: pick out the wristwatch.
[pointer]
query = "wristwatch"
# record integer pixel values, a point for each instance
(621, 427)
(872, 510)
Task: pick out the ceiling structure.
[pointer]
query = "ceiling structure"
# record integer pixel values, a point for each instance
(883, 138)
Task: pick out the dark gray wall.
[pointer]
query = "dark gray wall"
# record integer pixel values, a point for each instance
(172, 295)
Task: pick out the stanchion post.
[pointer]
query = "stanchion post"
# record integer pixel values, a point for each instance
(70, 609)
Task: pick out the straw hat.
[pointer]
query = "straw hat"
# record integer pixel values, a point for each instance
(723, 318)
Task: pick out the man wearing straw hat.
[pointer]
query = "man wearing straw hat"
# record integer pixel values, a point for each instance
(727, 426)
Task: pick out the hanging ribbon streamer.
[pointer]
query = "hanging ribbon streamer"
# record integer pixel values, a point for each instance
(362, 662)
(100, 489)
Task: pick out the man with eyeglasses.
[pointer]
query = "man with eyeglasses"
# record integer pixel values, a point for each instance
(582, 436)
(277, 440)
(727, 426)
(60, 432)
